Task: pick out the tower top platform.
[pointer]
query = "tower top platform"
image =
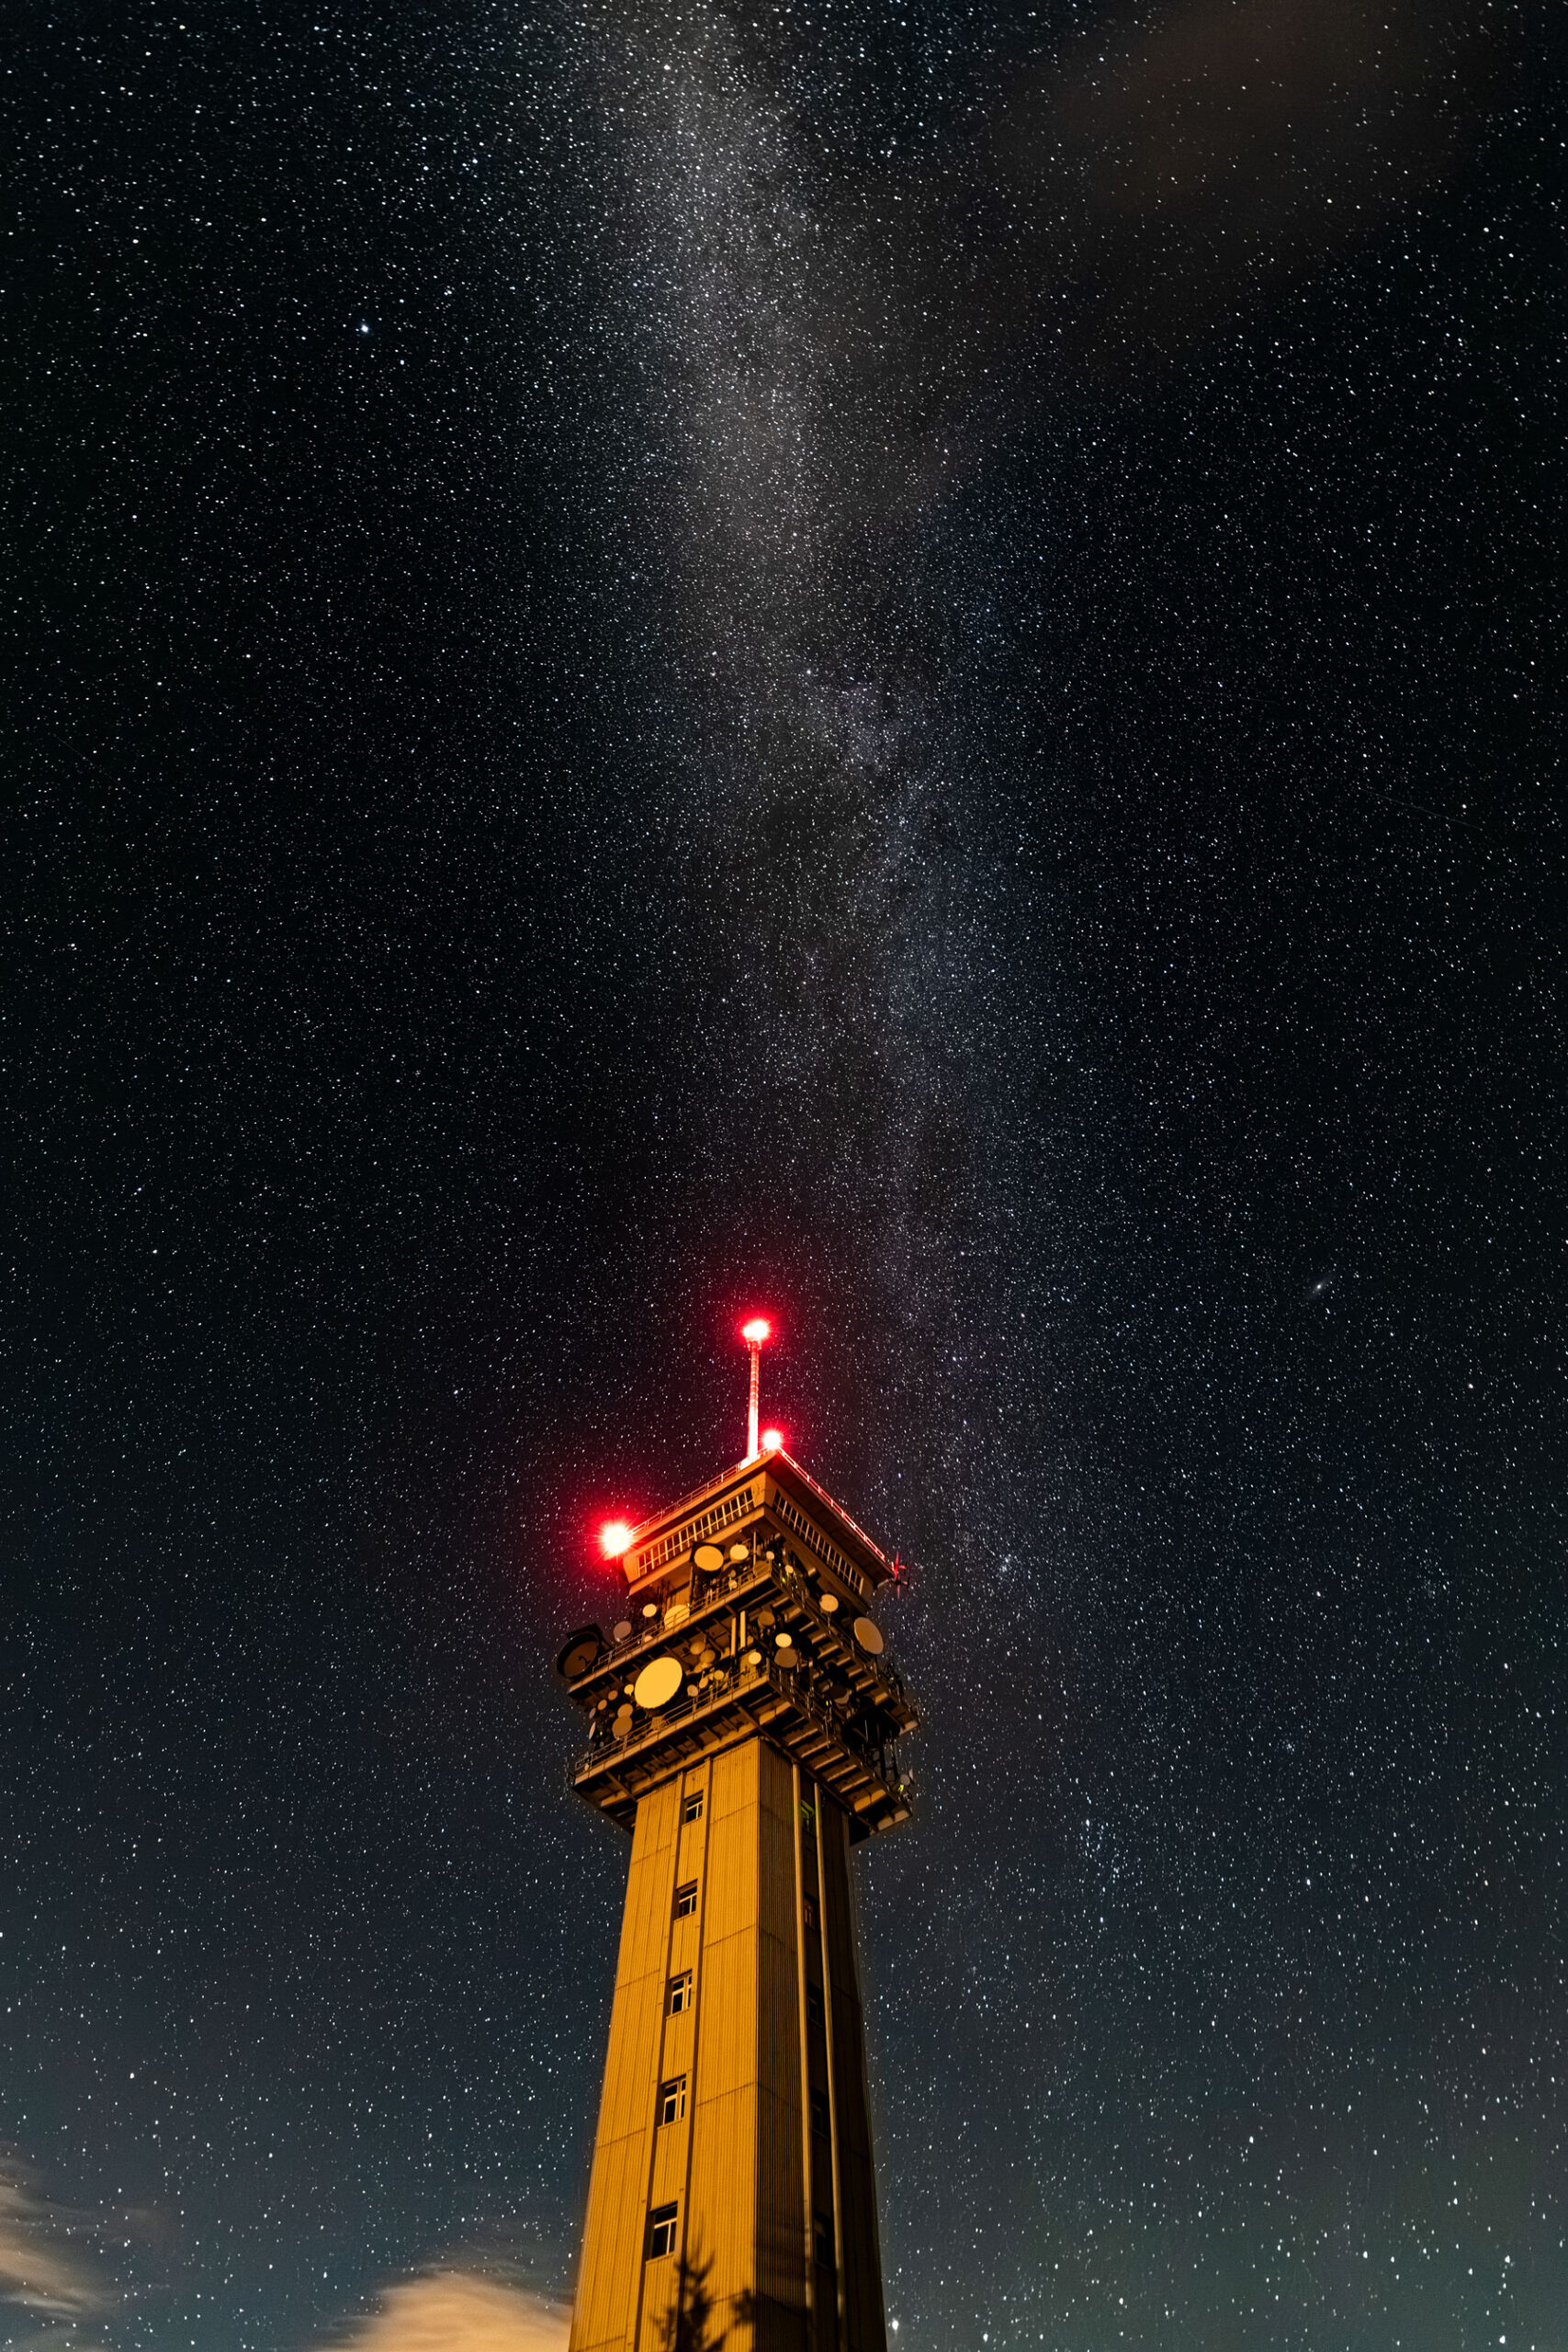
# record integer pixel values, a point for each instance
(773, 1480)
(746, 1614)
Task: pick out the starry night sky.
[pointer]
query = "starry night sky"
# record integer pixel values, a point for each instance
(904, 666)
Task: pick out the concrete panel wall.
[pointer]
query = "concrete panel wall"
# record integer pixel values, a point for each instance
(605, 2317)
(860, 2253)
(740, 2166)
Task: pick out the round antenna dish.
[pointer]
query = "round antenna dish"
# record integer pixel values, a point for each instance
(830, 1604)
(739, 1552)
(623, 1632)
(708, 1557)
(582, 1651)
(783, 1642)
(657, 1683)
(869, 1636)
(650, 1608)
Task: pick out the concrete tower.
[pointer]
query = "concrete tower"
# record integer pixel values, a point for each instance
(742, 1719)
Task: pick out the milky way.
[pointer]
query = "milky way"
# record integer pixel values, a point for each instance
(905, 669)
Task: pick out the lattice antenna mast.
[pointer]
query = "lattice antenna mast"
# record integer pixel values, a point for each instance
(754, 1334)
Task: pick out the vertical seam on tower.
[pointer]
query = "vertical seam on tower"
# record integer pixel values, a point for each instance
(652, 2124)
(874, 2250)
(804, 2072)
(832, 2070)
(699, 1974)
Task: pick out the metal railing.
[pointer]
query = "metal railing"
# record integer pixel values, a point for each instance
(797, 1589)
(798, 1684)
(707, 1588)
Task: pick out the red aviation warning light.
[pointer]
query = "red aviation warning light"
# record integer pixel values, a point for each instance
(615, 1538)
(772, 1441)
(754, 1332)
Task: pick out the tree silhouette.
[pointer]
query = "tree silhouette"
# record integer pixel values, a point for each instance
(686, 2323)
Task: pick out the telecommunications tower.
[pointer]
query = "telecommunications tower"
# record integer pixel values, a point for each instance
(742, 1721)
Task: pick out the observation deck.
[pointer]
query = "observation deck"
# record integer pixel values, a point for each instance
(749, 1598)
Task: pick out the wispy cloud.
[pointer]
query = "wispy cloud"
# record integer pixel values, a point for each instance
(458, 2311)
(45, 2270)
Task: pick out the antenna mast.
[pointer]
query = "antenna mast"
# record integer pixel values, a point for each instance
(754, 1334)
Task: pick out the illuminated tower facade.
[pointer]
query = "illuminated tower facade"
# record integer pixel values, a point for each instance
(742, 1721)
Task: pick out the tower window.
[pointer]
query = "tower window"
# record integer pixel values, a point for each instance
(661, 2230)
(687, 1899)
(808, 1910)
(821, 2238)
(820, 2119)
(693, 1808)
(680, 1993)
(814, 2003)
(672, 2101)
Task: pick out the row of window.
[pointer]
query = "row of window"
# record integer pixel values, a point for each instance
(663, 2227)
(672, 2106)
(678, 1997)
(686, 1903)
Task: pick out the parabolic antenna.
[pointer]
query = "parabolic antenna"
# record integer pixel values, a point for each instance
(782, 1642)
(583, 1650)
(623, 1632)
(658, 1682)
(708, 1557)
(830, 1604)
(740, 1551)
(869, 1636)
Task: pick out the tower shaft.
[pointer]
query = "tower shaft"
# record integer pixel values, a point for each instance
(742, 1720)
(774, 2238)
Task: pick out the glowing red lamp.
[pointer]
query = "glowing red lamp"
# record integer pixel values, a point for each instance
(615, 1538)
(772, 1441)
(756, 1331)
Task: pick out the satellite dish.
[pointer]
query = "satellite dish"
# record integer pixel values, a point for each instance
(830, 1604)
(765, 1616)
(782, 1642)
(623, 1632)
(623, 1721)
(708, 1557)
(753, 1657)
(582, 1651)
(658, 1682)
(740, 1551)
(650, 1608)
(869, 1636)
(690, 1689)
